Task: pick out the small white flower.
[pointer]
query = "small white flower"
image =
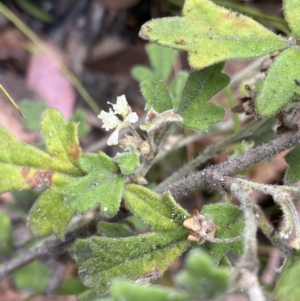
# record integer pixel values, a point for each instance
(122, 107)
(110, 121)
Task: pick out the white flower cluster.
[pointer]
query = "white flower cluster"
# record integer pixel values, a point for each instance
(111, 121)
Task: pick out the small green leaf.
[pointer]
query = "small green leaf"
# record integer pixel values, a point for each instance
(176, 88)
(102, 185)
(287, 287)
(141, 73)
(134, 258)
(142, 258)
(292, 175)
(229, 219)
(291, 9)
(280, 84)
(61, 139)
(202, 279)
(201, 85)
(49, 214)
(126, 291)
(212, 34)
(156, 95)
(33, 112)
(127, 162)
(161, 59)
(161, 213)
(6, 234)
(34, 277)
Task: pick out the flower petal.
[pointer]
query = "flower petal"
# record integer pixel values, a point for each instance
(132, 117)
(121, 107)
(110, 121)
(114, 138)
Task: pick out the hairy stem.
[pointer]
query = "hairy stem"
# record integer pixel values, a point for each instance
(212, 177)
(267, 228)
(211, 150)
(247, 268)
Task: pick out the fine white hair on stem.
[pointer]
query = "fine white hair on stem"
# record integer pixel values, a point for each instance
(245, 275)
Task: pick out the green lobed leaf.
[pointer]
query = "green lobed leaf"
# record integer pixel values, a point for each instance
(133, 258)
(102, 185)
(61, 140)
(230, 220)
(6, 234)
(142, 258)
(157, 96)
(201, 278)
(127, 162)
(201, 85)
(280, 84)
(292, 175)
(26, 167)
(62, 144)
(212, 34)
(291, 9)
(126, 291)
(161, 59)
(161, 213)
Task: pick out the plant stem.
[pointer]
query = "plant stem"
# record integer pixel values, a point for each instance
(247, 268)
(211, 150)
(212, 177)
(267, 228)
